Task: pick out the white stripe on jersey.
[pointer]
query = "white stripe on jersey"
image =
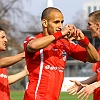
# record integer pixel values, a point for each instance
(40, 73)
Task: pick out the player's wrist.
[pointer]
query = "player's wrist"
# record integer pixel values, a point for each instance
(84, 42)
(25, 72)
(95, 85)
(57, 35)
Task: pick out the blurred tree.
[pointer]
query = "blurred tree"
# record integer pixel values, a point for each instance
(79, 21)
(15, 21)
(12, 19)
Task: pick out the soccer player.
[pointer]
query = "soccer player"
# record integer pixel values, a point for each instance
(46, 55)
(92, 84)
(5, 80)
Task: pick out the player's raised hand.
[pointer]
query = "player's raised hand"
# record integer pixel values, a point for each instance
(74, 88)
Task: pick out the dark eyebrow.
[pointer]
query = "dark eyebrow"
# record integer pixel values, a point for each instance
(57, 21)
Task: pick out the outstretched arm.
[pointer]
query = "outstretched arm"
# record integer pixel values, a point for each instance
(88, 90)
(79, 85)
(8, 61)
(18, 76)
(84, 88)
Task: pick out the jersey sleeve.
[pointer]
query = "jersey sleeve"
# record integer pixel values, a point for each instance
(29, 38)
(77, 52)
(97, 64)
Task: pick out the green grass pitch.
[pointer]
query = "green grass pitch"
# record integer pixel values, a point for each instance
(18, 95)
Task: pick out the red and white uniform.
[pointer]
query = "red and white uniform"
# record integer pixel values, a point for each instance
(46, 68)
(4, 85)
(96, 68)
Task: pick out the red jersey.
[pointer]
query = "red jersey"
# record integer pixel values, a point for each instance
(4, 85)
(96, 68)
(46, 68)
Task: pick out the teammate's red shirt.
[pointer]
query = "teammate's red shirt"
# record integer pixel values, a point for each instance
(46, 68)
(4, 85)
(96, 68)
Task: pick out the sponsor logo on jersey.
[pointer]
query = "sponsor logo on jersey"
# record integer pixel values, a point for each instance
(54, 49)
(3, 75)
(60, 69)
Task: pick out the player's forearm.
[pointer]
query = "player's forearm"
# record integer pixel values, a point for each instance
(90, 80)
(96, 85)
(40, 43)
(92, 54)
(7, 61)
(16, 77)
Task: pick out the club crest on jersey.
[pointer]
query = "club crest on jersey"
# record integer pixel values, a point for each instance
(64, 55)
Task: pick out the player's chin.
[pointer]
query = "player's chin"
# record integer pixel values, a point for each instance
(4, 49)
(95, 37)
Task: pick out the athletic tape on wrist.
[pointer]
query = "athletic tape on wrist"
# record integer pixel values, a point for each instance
(57, 35)
(84, 42)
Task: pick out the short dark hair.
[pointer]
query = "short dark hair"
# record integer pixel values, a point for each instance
(46, 12)
(95, 15)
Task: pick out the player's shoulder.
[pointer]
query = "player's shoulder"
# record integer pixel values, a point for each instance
(29, 38)
(69, 42)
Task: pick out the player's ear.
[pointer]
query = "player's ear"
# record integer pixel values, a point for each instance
(44, 23)
(98, 25)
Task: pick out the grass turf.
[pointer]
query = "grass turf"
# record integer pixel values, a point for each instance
(18, 95)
